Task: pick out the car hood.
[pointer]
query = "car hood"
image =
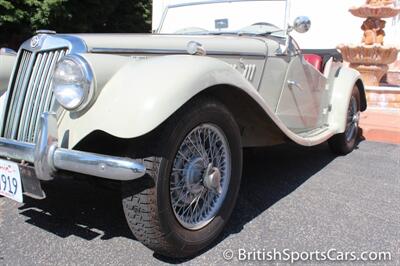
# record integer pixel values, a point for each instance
(111, 43)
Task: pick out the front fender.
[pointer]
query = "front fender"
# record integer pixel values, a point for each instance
(342, 86)
(142, 94)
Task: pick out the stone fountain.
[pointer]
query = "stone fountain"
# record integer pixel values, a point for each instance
(372, 57)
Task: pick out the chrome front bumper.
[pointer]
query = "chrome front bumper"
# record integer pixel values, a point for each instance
(47, 157)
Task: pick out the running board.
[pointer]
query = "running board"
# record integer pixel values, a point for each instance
(314, 132)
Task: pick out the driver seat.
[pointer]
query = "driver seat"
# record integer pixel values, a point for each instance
(315, 60)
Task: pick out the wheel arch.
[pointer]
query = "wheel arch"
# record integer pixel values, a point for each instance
(256, 127)
(363, 96)
(346, 79)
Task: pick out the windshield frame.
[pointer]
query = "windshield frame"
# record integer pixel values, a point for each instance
(205, 2)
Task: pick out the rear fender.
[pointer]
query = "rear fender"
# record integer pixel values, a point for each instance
(342, 86)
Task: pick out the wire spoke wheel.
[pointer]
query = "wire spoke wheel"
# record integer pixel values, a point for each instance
(200, 176)
(192, 181)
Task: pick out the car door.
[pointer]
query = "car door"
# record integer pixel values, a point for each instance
(299, 106)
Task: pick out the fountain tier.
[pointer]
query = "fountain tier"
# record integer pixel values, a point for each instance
(371, 58)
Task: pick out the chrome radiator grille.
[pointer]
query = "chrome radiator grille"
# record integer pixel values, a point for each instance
(30, 94)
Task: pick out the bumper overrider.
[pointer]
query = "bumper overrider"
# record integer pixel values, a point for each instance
(47, 158)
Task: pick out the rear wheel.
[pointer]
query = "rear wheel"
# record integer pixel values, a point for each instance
(345, 142)
(196, 182)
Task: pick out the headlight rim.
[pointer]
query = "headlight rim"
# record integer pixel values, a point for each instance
(89, 77)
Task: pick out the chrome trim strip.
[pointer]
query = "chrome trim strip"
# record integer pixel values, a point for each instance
(26, 112)
(101, 50)
(33, 88)
(44, 104)
(39, 95)
(17, 108)
(22, 58)
(45, 31)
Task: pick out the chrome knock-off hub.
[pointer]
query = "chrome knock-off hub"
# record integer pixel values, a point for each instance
(212, 179)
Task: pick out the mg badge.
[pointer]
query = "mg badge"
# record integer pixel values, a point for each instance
(35, 41)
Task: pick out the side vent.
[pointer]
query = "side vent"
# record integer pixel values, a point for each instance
(249, 70)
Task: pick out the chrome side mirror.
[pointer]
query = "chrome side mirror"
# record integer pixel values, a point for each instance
(302, 24)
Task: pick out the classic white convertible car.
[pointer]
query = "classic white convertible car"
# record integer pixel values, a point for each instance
(166, 115)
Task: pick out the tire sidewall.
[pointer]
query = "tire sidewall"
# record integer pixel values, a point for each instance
(352, 142)
(182, 238)
(338, 143)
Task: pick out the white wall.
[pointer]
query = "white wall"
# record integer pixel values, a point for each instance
(332, 24)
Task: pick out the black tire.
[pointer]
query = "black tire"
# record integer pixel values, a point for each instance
(340, 144)
(149, 213)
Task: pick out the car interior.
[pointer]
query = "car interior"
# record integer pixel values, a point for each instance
(319, 58)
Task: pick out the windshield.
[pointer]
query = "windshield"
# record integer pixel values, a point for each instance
(222, 17)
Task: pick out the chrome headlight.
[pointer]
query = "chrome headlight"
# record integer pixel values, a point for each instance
(73, 82)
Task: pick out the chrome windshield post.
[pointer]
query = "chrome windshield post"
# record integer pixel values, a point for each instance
(288, 29)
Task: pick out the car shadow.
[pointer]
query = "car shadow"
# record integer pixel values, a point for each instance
(269, 175)
(76, 207)
(81, 209)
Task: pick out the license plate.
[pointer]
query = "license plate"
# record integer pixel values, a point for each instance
(10, 181)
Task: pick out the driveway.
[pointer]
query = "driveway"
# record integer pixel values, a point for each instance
(293, 198)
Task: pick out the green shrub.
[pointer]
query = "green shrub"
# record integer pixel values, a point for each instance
(19, 19)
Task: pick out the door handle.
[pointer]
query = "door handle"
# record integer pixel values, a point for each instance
(295, 84)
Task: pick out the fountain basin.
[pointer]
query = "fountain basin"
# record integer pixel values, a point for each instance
(370, 60)
(369, 54)
(375, 11)
(371, 74)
